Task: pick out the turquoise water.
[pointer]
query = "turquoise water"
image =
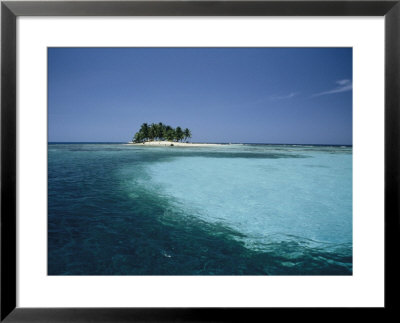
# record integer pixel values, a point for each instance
(116, 209)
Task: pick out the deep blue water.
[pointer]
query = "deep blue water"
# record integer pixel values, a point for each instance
(116, 209)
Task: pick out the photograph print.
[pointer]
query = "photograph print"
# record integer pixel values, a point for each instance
(200, 161)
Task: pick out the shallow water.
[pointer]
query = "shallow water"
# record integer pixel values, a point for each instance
(116, 209)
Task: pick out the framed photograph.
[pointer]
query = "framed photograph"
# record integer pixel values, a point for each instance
(197, 160)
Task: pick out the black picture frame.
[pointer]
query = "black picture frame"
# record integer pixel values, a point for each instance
(10, 10)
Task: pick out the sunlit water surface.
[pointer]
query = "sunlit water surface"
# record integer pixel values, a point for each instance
(117, 209)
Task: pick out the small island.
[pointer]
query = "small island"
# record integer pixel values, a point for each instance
(159, 134)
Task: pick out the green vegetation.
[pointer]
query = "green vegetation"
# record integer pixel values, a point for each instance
(160, 131)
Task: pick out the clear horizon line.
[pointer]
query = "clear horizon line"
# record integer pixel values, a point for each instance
(195, 142)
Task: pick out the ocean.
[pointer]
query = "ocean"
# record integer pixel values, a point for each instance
(240, 209)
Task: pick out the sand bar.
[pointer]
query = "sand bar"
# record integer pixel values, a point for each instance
(173, 144)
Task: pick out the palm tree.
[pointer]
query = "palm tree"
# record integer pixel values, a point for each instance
(144, 130)
(170, 134)
(160, 131)
(178, 133)
(152, 131)
(187, 134)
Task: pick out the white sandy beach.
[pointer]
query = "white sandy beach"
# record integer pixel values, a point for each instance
(172, 144)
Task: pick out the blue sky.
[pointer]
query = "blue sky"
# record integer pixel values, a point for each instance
(251, 95)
